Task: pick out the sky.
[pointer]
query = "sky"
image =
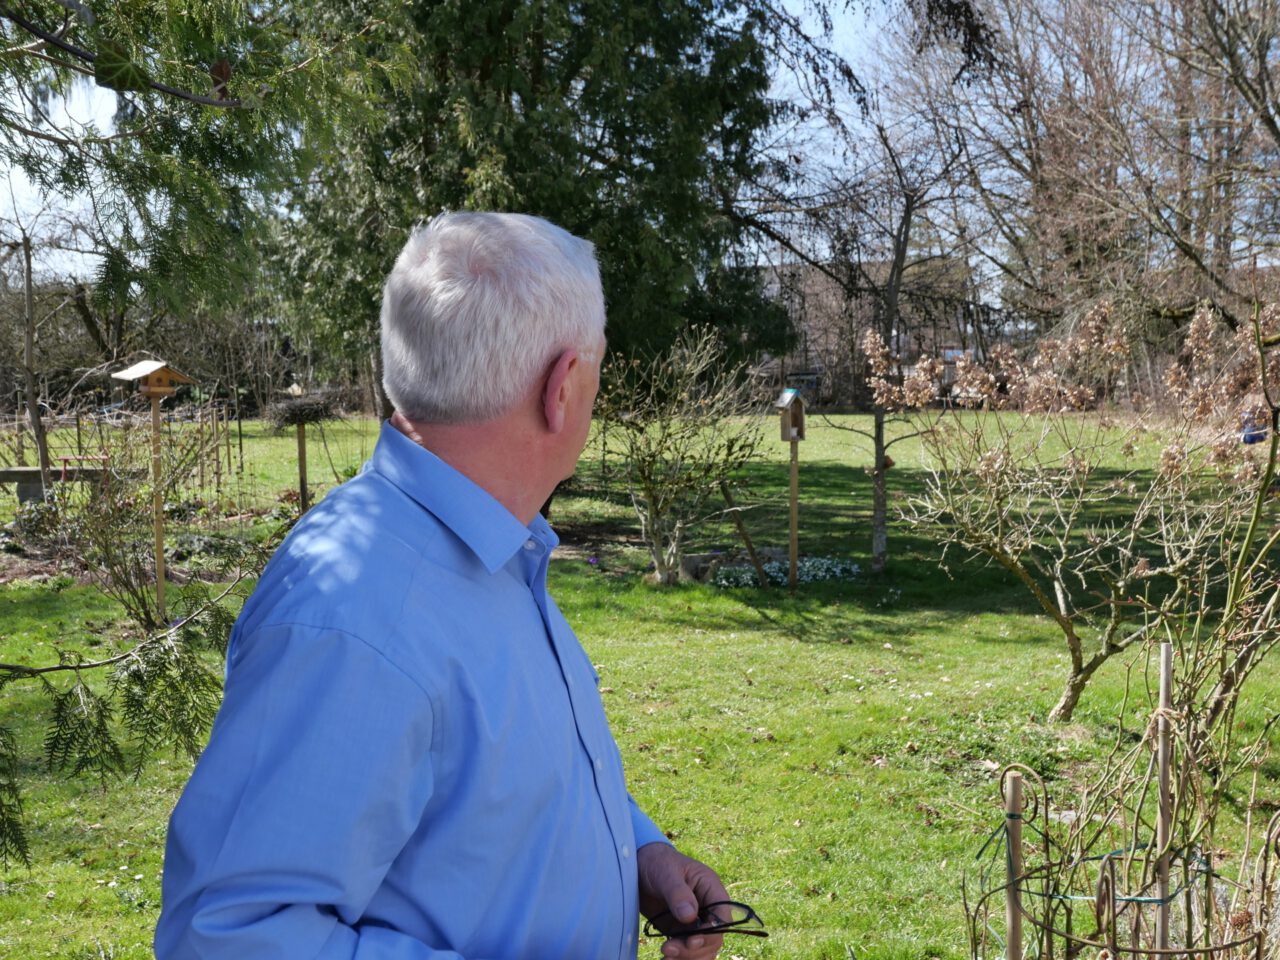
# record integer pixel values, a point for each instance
(21, 201)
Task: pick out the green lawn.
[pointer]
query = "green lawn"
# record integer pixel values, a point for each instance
(830, 753)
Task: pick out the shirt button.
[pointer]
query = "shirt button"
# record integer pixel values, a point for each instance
(599, 764)
(531, 544)
(626, 851)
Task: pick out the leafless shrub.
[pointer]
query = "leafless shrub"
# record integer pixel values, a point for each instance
(1111, 552)
(1195, 567)
(686, 422)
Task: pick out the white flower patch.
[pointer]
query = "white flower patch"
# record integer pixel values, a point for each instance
(808, 570)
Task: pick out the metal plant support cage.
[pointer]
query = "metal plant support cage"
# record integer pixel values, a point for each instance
(1105, 905)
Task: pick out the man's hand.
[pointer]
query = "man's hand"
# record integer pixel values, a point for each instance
(671, 881)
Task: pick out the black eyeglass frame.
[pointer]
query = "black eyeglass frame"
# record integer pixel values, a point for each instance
(713, 923)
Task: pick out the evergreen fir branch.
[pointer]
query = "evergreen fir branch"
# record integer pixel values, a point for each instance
(9, 672)
(169, 695)
(113, 67)
(165, 691)
(13, 838)
(80, 736)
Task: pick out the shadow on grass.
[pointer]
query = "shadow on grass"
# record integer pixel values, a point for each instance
(835, 504)
(914, 595)
(835, 521)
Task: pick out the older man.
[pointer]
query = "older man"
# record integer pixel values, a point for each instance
(412, 760)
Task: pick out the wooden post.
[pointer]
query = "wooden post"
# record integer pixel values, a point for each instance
(79, 441)
(795, 513)
(1164, 820)
(305, 501)
(1012, 890)
(226, 432)
(157, 505)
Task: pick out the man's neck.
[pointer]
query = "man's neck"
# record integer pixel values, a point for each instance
(500, 456)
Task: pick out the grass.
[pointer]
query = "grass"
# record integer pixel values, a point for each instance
(831, 754)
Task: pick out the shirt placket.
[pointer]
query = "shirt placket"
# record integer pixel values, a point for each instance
(595, 741)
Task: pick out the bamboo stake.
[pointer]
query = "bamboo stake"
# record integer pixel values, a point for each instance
(1012, 891)
(157, 505)
(305, 501)
(1164, 822)
(795, 513)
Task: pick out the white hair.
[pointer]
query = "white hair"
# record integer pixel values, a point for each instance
(475, 309)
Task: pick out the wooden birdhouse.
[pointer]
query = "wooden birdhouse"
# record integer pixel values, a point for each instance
(791, 407)
(154, 378)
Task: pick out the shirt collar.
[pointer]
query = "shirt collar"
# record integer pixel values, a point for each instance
(471, 512)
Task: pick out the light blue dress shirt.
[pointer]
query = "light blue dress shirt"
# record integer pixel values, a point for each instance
(412, 759)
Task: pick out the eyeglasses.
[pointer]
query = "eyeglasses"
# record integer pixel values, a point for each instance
(724, 916)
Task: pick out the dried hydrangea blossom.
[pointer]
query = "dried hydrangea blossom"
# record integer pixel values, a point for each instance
(1173, 460)
(877, 353)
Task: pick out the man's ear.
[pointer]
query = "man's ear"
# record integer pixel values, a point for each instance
(557, 389)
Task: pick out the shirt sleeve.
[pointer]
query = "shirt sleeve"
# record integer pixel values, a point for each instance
(316, 774)
(645, 830)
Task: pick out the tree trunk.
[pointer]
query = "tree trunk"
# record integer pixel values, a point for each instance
(1066, 705)
(29, 371)
(879, 502)
(80, 300)
(666, 567)
(385, 408)
(660, 549)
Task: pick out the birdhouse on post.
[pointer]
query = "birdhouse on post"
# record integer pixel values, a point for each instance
(791, 406)
(154, 378)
